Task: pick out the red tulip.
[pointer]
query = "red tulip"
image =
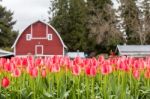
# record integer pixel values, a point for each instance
(90, 71)
(86, 62)
(43, 73)
(18, 62)
(55, 59)
(30, 58)
(24, 62)
(38, 61)
(5, 82)
(8, 67)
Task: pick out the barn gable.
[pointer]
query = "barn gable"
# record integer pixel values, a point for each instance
(39, 34)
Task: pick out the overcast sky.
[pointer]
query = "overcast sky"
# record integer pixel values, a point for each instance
(28, 11)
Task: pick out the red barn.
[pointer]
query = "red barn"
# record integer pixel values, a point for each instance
(40, 39)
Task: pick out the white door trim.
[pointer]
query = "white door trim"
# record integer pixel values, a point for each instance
(36, 49)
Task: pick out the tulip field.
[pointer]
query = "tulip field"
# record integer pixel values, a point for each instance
(64, 78)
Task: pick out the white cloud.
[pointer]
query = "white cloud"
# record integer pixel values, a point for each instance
(27, 11)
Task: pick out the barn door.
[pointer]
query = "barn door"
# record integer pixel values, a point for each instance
(39, 49)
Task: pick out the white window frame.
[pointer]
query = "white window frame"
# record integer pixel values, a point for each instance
(36, 46)
(28, 37)
(49, 36)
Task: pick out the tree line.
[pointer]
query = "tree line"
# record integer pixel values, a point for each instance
(7, 34)
(92, 26)
(96, 26)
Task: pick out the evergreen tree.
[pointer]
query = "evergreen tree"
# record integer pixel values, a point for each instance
(131, 21)
(102, 25)
(60, 15)
(7, 35)
(146, 21)
(69, 18)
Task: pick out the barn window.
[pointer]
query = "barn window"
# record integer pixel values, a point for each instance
(49, 36)
(28, 37)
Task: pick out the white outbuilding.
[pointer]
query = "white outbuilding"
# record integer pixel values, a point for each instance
(4, 53)
(134, 50)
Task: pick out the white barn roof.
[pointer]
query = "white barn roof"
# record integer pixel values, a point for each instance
(134, 50)
(47, 25)
(5, 53)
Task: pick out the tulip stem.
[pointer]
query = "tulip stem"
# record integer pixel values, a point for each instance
(34, 89)
(57, 78)
(93, 96)
(101, 84)
(78, 78)
(123, 86)
(148, 83)
(105, 88)
(87, 86)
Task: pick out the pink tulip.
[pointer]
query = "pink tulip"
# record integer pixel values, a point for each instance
(55, 68)
(136, 74)
(86, 62)
(76, 70)
(147, 74)
(2, 61)
(77, 60)
(93, 71)
(123, 66)
(34, 72)
(94, 62)
(126, 68)
(136, 65)
(16, 72)
(43, 73)
(101, 58)
(106, 69)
